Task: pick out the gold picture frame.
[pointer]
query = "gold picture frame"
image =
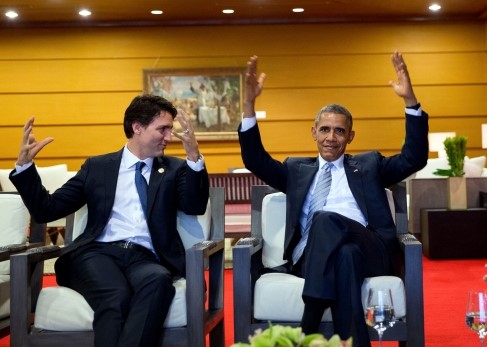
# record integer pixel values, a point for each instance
(211, 97)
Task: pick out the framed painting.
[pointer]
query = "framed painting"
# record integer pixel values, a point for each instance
(211, 97)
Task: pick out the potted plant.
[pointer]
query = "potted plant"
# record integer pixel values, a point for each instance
(455, 148)
(285, 336)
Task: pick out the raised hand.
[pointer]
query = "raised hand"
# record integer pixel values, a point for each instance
(253, 86)
(187, 137)
(29, 146)
(402, 86)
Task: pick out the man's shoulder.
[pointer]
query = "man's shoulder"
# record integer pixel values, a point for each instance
(105, 156)
(300, 160)
(360, 157)
(169, 160)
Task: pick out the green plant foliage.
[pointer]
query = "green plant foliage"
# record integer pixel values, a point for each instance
(285, 336)
(456, 148)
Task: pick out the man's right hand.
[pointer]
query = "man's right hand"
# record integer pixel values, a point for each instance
(29, 146)
(253, 87)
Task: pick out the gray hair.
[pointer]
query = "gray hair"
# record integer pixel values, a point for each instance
(336, 109)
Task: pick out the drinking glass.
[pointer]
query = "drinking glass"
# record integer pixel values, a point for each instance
(380, 311)
(476, 313)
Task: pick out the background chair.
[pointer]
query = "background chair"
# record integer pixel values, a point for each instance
(52, 178)
(257, 302)
(62, 314)
(14, 228)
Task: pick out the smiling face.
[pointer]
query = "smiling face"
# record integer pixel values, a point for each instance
(332, 133)
(151, 140)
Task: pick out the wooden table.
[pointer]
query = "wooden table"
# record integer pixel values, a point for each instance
(454, 234)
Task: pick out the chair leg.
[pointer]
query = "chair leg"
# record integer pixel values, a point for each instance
(217, 335)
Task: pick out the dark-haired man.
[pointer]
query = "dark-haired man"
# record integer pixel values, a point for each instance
(336, 238)
(125, 260)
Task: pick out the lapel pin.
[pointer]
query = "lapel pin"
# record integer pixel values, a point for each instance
(161, 170)
(356, 170)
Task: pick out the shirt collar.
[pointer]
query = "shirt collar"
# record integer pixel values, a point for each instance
(337, 163)
(129, 159)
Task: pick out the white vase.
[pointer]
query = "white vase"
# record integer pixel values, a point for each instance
(457, 193)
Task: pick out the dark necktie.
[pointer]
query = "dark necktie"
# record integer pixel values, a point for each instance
(318, 200)
(141, 185)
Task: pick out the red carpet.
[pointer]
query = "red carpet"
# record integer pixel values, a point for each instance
(446, 284)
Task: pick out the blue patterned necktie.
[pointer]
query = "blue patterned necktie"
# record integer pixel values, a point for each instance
(141, 185)
(318, 200)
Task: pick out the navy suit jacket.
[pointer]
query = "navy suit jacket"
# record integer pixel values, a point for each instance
(173, 186)
(368, 175)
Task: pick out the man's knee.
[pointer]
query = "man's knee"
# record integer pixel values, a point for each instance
(349, 255)
(330, 221)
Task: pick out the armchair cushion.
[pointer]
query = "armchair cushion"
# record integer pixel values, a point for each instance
(63, 309)
(194, 229)
(269, 306)
(52, 177)
(273, 229)
(5, 183)
(14, 223)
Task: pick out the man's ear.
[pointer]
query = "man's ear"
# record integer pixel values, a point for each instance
(313, 132)
(136, 127)
(352, 135)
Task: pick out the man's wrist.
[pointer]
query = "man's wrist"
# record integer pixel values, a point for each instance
(415, 106)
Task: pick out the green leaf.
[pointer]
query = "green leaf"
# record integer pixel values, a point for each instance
(443, 172)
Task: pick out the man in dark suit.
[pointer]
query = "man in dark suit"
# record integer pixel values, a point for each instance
(338, 237)
(125, 261)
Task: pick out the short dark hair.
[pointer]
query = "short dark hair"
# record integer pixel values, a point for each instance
(336, 109)
(144, 109)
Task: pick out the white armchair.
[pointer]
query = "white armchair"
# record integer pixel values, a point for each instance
(14, 227)
(61, 314)
(52, 178)
(255, 289)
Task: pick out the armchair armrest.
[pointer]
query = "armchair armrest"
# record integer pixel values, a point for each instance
(25, 284)
(7, 250)
(247, 262)
(204, 255)
(413, 280)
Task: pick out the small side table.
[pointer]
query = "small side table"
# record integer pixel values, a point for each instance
(454, 234)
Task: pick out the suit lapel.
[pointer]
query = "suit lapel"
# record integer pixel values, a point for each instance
(306, 173)
(353, 170)
(111, 177)
(159, 168)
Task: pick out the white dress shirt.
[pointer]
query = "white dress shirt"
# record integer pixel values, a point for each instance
(127, 221)
(340, 198)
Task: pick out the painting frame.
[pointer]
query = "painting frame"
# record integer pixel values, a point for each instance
(212, 97)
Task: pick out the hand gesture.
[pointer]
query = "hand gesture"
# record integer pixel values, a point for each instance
(253, 86)
(29, 146)
(403, 86)
(187, 136)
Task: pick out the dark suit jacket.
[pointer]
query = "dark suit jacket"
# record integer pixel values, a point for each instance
(178, 187)
(368, 175)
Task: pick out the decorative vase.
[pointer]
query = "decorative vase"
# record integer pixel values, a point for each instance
(457, 192)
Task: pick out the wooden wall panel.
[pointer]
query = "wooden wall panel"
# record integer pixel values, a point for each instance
(78, 82)
(231, 41)
(297, 71)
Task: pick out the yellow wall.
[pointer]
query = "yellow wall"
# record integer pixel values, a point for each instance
(78, 82)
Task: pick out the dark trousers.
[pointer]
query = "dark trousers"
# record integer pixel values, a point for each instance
(339, 255)
(129, 291)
